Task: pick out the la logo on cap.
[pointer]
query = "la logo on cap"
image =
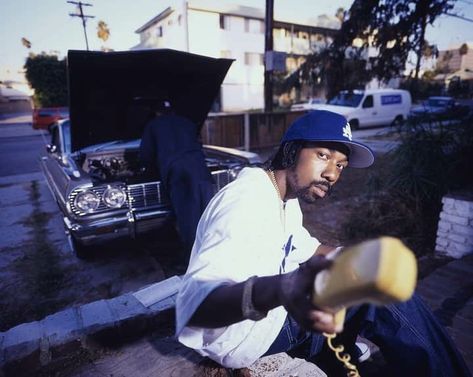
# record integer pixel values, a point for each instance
(347, 131)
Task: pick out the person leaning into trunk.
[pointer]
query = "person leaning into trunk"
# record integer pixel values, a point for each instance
(246, 292)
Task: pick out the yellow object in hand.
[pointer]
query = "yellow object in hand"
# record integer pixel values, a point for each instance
(378, 271)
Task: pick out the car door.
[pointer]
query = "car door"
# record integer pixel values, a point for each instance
(52, 166)
(368, 114)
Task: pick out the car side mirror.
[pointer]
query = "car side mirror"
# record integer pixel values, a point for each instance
(51, 148)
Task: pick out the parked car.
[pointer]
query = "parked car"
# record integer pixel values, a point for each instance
(306, 105)
(439, 108)
(43, 118)
(371, 107)
(92, 165)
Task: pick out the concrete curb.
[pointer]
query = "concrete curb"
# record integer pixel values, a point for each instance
(28, 347)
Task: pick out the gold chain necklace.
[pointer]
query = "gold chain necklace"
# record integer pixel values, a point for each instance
(273, 180)
(282, 212)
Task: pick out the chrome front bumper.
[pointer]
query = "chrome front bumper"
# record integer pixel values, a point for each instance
(130, 225)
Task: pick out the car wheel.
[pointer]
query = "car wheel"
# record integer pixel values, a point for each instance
(354, 124)
(80, 250)
(397, 122)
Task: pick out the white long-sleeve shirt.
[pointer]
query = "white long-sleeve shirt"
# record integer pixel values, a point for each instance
(245, 230)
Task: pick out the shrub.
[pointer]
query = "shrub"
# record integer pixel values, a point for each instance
(405, 199)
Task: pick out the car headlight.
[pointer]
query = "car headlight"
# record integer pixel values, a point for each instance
(87, 201)
(114, 197)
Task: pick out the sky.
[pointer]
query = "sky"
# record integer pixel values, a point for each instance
(48, 26)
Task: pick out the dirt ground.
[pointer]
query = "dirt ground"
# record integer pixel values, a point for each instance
(39, 275)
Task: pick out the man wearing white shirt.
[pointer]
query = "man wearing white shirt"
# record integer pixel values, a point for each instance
(246, 292)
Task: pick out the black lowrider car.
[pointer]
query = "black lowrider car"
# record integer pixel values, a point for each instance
(92, 165)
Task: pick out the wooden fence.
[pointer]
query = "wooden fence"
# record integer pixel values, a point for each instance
(247, 131)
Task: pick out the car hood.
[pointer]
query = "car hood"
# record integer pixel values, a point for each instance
(427, 109)
(112, 95)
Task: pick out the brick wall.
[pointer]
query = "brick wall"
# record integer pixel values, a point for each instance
(455, 227)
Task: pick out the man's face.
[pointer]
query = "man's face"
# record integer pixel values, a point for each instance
(317, 169)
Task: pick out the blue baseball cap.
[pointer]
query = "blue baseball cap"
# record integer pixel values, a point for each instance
(323, 125)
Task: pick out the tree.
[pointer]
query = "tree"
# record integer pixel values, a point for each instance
(103, 32)
(463, 50)
(385, 32)
(340, 14)
(425, 12)
(46, 74)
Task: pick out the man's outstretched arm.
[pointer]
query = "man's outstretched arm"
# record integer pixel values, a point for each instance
(223, 306)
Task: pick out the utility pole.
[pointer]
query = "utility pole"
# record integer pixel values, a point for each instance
(268, 47)
(83, 16)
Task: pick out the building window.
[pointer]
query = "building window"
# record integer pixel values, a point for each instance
(254, 26)
(253, 58)
(303, 35)
(159, 31)
(179, 20)
(225, 22)
(226, 54)
(281, 33)
(368, 102)
(291, 64)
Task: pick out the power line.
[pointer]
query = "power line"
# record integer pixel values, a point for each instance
(466, 2)
(460, 17)
(83, 16)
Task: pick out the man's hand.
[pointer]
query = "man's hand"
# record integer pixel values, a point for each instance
(295, 294)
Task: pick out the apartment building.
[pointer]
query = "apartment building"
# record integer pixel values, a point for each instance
(222, 30)
(456, 58)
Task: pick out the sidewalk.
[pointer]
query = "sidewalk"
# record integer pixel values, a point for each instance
(449, 293)
(448, 290)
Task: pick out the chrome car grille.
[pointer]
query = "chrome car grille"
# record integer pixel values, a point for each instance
(151, 194)
(145, 195)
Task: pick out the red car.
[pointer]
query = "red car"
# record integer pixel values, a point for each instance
(44, 117)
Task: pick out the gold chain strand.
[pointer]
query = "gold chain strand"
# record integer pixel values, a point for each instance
(343, 357)
(282, 212)
(273, 180)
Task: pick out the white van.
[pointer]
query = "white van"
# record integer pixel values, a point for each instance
(371, 107)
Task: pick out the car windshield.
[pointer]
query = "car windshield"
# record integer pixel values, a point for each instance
(438, 102)
(132, 143)
(66, 130)
(346, 99)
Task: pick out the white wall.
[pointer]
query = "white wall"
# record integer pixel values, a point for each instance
(242, 88)
(239, 97)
